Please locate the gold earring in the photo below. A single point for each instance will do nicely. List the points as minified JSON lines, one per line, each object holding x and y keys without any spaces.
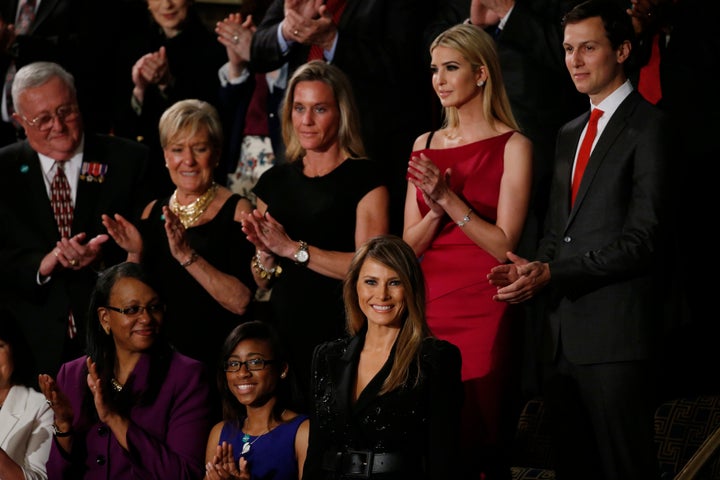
{"x":283,"y":375}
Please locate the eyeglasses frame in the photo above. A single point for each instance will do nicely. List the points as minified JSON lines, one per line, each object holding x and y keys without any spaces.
{"x":74,"y":109}
{"x":265,"y":363}
{"x":143,"y":308}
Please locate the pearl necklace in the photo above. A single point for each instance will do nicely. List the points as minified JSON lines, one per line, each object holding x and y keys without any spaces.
{"x":189,"y":214}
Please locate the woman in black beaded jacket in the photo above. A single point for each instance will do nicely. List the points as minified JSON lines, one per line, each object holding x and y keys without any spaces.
{"x":386,"y":400}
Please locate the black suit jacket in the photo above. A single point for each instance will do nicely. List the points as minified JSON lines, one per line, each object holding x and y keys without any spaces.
{"x":43,"y":309}
{"x":605,"y":298}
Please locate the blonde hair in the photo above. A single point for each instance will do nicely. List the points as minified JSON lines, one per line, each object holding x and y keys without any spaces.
{"x":478,"y":48}
{"x":398,"y":256}
{"x":349,"y":136}
{"x":190,"y":116}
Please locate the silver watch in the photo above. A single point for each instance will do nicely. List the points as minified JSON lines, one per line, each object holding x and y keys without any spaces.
{"x":302,"y":255}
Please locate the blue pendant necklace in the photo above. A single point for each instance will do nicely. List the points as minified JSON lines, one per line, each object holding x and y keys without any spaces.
{"x":246,"y":438}
{"x":247,"y":443}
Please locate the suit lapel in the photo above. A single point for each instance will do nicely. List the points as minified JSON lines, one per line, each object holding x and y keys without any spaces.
{"x":32,"y":187}
{"x":604,"y":144}
{"x":43,"y":11}
{"x":566,"y":156}
{"x":344,"y":373}
{"x":11,"y":411}
{"x":88,"y":193}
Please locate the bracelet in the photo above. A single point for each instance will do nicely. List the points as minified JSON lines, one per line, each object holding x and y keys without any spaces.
{"x":58,"y":433}
{"x":262,"y":271}
{"x":465,"y":219}
{"x":193,"y":257}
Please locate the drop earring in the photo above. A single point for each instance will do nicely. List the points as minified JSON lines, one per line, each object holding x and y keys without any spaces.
{"x":481,"y":83}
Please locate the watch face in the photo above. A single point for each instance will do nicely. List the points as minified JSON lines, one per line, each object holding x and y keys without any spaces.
{"x":302,"y":256}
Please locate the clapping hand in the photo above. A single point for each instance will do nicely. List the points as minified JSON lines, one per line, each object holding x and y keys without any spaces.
{"x":96,"y":388}
{"x":176,"y":235}
{"x":58,"y":401}
{"x":151,"y":69}
{"x":223,"y":465}
{"x":72,"y":253}
{"x":427,"y":178}
{"x":125,"y":234}
{"x":267,"y":234}
{"x":236,"y":35}
{"x":520,"y":280}
{"x":482,"y":15}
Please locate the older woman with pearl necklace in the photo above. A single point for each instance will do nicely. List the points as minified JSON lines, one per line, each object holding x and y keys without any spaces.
{"x":193,"y":239}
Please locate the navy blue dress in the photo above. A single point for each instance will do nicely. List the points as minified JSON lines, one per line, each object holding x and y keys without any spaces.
{"x":272,"y":455}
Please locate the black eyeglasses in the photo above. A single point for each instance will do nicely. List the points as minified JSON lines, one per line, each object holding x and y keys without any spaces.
{"x":44,"y":121}
{"x":136,"y":310}
{"x":251,"y":364}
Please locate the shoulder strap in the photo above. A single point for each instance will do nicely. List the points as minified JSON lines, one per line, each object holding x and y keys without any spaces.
{"x":429,"y":139}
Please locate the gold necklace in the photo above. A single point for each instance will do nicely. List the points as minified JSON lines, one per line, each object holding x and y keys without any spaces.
{"x":117,"y":386}
{"x":189,"y":214}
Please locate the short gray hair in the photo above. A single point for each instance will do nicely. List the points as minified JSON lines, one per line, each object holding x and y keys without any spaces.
{"x":38,"y":73}
{"x":191,"y":114}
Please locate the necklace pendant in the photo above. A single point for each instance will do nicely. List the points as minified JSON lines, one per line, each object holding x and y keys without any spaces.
{"x":245,"y":448}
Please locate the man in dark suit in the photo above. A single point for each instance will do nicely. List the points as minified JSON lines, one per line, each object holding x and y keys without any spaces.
{"x":52,"y":275}
{"x":378,"y":45}
{"x":598,"y":261}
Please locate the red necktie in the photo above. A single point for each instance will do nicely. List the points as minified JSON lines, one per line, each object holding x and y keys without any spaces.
{"x":61,"y":200}
{"x":256,"y":118}
{"x":584,"y":153}
{"x":649,"y":81}
{"x":26,"y":15}
{"x":335,"y":7}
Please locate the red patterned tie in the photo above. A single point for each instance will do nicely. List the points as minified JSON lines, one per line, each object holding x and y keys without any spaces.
{"x":61,"y":200}
{"x":336,"y":8}
{"x":26,"y":15}
{"x":584,"y":153}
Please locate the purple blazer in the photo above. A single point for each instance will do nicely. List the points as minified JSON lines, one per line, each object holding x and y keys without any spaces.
{"x":166,"y":439}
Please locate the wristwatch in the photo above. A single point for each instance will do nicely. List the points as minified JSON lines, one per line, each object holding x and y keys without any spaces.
{"x":302,"y":255}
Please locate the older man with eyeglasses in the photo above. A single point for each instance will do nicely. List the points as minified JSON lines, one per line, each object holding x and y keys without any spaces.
{"x":55,"y":185}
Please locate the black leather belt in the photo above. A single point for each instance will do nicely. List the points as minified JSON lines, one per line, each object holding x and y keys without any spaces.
{"x":363,"y":463}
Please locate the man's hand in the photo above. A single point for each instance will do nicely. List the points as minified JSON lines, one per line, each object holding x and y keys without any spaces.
{"x":520,"y":280}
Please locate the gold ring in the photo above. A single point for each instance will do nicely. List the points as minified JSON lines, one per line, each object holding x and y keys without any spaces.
{"x":73,"y":262}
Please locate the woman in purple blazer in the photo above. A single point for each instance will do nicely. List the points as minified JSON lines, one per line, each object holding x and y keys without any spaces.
{"x":133,"y":408}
